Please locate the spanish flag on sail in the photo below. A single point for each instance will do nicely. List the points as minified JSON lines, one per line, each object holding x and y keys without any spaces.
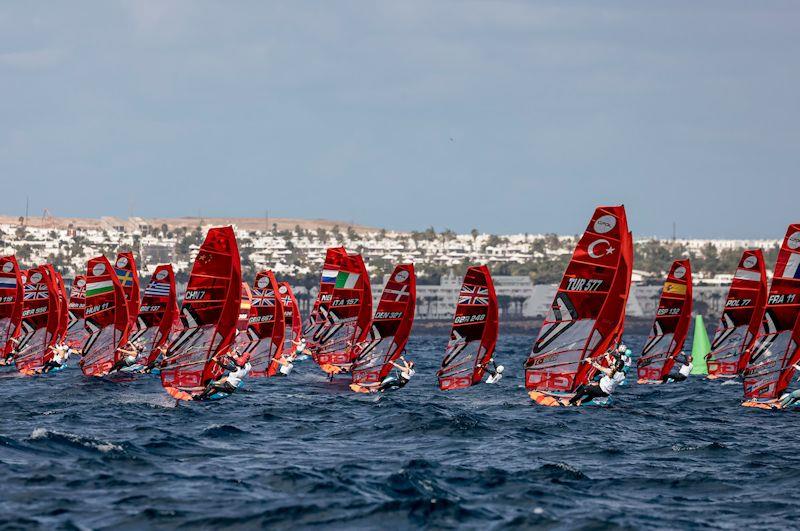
{"x":673,"y":288}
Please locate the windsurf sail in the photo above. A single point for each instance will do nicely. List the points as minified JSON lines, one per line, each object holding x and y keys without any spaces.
{"x":775,"y":349}
{"x":63,"y":312}
{"x":39,"y":322}
{"x":391,"y":326}
{"x":671,"y":325}
{"x":291,"y":316}
{"x":209,"y":314}
{"x":474,"y":332}
{"x":11,"y":293}
{"x":265,"y":326}
{"x":157,"y":314}
{"x":128,"y":276}
{"x":344,"y":312}
{"x":741,"y":317}
{"x":587,"y":315}
{"x":106,"y":318}
{"x":76,"y":330}
{"x":317,"y":319}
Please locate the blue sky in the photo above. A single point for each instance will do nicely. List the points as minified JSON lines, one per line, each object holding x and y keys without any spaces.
{"x":504,"y":116}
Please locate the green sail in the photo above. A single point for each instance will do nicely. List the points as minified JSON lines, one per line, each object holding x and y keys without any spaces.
{"x":701,"y":346}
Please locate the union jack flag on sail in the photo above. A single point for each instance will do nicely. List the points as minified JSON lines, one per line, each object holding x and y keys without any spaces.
{"x":35,"y":291}
{"x":263,"y":297}
{"x":477,"y":295}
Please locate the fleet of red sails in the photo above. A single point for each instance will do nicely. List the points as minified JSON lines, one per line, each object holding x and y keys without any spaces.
{"x":473,"y":335}
{"x":741,"y":317}
{"x":776,"y":348}
{"x":587,"y":315}
{"x":103,"y":317}
{"x":671,"y":325}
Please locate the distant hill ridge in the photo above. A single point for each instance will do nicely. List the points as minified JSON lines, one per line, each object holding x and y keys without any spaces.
{"x":188,"y":221}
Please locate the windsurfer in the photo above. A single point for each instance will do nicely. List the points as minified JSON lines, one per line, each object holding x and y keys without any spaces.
{"x":684,"y":369}
{"x":129,"y":355}
{"x":301,"y":351}
{"x":285,"y":363}
{"x":403,"y":372}
{"x":790,"y":399}
{"x":613,"y":376}
{"x":495,"y":371}
{"x":237,"y":367}
{"x":60,"y":355}
{"x":626,"y":355}
{"x":157,"y":359}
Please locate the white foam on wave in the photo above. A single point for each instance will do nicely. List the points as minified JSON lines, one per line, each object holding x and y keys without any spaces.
{"x":88,"y":442}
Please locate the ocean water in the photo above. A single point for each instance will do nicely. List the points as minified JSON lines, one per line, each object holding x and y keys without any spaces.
{"x":300,"y":452}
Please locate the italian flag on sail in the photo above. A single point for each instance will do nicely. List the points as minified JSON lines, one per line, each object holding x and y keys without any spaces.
{"x":99,"y":287}
{"x":345,"y":280}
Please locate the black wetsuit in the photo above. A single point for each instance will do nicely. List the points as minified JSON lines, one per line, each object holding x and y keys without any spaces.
{"x":396,"y":382}
{"x":225,"y":386}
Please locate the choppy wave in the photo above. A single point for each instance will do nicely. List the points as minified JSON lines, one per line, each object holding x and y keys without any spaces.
{"x":299,"y":452}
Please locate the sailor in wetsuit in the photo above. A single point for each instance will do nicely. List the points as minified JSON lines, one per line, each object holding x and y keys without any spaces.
{"x":612,"y":377}
{"x":625,"y":354}
{"x":790,"y":399}
{"x":403,"y":372}
{"x":129,"y":355}
{"x":286,"y":365}
{"x":683,"y":362}
{"x":60,"y":355}
{"x":157,"y":359}
{"x":237,"y":369}
{"x":495,"y":371}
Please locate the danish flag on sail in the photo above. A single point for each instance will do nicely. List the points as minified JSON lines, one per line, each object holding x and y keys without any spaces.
{"x":588,"y":312}
{"x":266,"y":326}
{"x":741,"y":317}
{"x":128,"y":276}
{"x":76,"y":331}
{"x":671,"y":325}
{"x":291,"y":316}
{"x":344,"y":314}
{"x":157,"y":315}
{"x":474,"y":332}
{"x":209,"y":314}
{"x":11,"y":285}
{"x":105,"y":317}
{"x":39,"y":321}
{"x":390,"y":328}
{"x":769,"y":368}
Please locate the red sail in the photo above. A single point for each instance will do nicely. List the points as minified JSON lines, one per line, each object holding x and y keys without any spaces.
{"x":588,"y":312}
{"x":39,"y":321}
{"x":209,"y":314}
{"x":673,"y":316}
{"x":128,"y":277}
{"x":265,"y":326}
{"x":344,"y":314}
{"x":63,"y":312}
{"x":775,"y":349}
{"x":106,"y":318}
{"x":76,"y":331}
{"x":291,"y":316}
{"x":474,"y":332}
{"x":11,"y":286}
{"x":317,"y":319}
{"x":741,"y":318}
{"x":157,"y":314}
{"x":390,"y":328}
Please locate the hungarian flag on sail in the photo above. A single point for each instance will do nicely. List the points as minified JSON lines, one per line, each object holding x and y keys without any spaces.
{"x":105,"y":317}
